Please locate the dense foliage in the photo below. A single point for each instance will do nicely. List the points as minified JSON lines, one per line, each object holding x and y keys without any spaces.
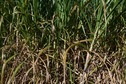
{"x":63,"y":41}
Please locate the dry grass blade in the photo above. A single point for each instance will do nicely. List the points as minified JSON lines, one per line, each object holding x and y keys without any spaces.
{"x":26,"y":74}
{"x":65,"y":55}
{"x":34,"y":65}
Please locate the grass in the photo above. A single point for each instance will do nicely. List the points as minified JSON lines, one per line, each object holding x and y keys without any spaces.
{"x":65,"y":41}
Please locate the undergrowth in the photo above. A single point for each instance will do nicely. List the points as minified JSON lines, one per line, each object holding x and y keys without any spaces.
{"x":62,"y":42}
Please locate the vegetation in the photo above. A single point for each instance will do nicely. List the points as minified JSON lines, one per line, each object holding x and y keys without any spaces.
{"x":62,"y":41}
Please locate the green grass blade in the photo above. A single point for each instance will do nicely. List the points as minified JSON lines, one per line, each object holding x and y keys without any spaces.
{"x":14,"y":73}
{"x":3,"y":67}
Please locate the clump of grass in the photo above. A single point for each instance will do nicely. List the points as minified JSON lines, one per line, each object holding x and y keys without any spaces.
{"x":65,"y":41}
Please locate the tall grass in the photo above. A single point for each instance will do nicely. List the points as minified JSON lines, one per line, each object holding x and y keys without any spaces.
{"x":62,"y":41}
